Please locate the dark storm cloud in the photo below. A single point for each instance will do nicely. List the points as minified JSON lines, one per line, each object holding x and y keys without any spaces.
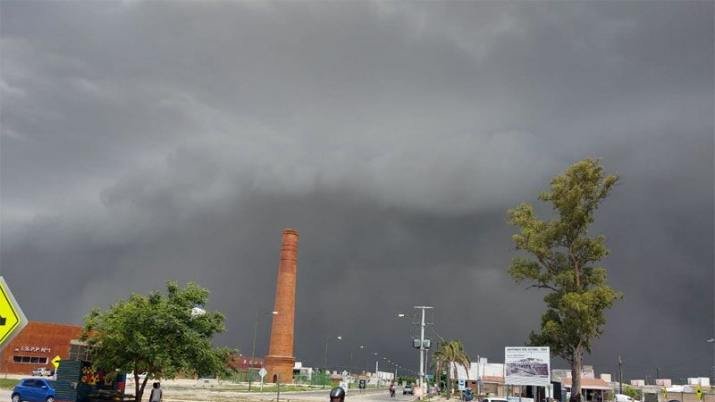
{"x":151,"y":141}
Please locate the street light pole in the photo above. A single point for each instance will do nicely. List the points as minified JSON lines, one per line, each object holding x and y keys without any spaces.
{"x":712,"y":369}
{"x":422,"y":346}
{"x":255,"y":330}
{"x":253,"y":346}
{"x":325,"y":358}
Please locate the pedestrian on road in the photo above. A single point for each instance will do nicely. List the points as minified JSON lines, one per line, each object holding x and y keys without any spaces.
{"x":156,"y":394}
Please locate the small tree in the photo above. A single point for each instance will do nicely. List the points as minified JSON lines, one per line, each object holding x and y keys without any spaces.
{"x":159,"y":334}
{"x":634,"y":393}
{"x":450,"y":354}
{"x":564,"y":263}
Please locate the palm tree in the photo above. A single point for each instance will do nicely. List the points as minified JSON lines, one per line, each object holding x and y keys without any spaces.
{"x":450,"y":354}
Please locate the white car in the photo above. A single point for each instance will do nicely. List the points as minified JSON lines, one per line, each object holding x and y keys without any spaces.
{"x":494,"y":400}
{"x":42,"y":372}
{"x":625,"y":398}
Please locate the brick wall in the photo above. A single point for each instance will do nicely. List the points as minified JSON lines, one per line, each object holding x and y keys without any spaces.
{"x":37,"y":345}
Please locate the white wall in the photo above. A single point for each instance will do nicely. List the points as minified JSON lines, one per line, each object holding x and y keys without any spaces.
{"x":477,"y":370}
{"x":702,"y":381}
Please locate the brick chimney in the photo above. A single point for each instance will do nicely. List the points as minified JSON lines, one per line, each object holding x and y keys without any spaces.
{"x":280,"y":359}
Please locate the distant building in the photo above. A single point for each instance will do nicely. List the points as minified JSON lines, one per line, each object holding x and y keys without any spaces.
{"x":592,"y":389}
{"x":663,"y":382}
{"x":38,"y":343}
{"x":702,"y":381}
{"x":301,"y":372}
{"x":241,"y":362}
{"x":638,"y":383}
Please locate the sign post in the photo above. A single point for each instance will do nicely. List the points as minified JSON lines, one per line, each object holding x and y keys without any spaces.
{"x":12,"y":319}
{"x":262,"y":372}
{"x":527,"y":365}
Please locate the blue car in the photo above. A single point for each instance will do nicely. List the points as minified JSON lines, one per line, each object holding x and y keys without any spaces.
{"x":34,"y":390}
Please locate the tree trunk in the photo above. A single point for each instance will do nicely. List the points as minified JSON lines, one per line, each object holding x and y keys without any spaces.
{"x":449,"y":381}
{"x":137,"y":395}
{"x":576,"y":364}
{"x":139,"y":388}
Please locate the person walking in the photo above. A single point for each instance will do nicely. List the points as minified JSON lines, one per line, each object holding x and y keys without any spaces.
{"x":156,"y":394}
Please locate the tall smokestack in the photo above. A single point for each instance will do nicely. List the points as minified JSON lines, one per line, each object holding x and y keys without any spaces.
{"x":280,"y":359}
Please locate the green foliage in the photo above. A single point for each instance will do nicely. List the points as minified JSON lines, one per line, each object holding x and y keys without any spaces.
{"x":157,"y":334}
{"x":634,"y":393}
{"x":450,"y":354}
{"x":564,"y":260}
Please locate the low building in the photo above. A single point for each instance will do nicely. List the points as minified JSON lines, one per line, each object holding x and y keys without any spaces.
{"x":301,"y":372}
{"x":40,"y":342}
{"x":482,"y":377}
{"x":592,"y":389}
{"x":702,"y":381}
{"x":242,"y":363}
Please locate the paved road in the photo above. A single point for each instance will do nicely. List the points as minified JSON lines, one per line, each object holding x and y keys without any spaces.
{"x":352,"y":396}
{"x":381,"y":396}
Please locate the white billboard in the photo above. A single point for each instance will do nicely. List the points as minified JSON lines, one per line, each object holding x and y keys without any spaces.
{"x":527,"y":365}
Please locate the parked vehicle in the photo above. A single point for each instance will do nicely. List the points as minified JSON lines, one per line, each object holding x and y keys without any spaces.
{"x":625,"y":398}
{"x":467,"y":395}
{"x":408,"y":390}
{"x":494,"y":400}
{"x":34,"y":390}
{"x":42,"y":372}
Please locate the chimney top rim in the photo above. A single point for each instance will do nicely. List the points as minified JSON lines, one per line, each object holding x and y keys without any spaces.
{"x":290,"y":231}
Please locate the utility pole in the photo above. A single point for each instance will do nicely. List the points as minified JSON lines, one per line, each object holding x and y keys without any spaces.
{"x":377,"y":372}
{"x":712,"y":341}
{"x":620,"y":375}
{"x":422,"y":346}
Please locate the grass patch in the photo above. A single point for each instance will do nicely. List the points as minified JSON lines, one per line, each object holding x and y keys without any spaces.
{"x":8,"y":383}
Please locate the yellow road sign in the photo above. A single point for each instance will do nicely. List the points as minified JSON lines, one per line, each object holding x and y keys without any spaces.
{"x":56,"y":361}
{"x":12,"y":320}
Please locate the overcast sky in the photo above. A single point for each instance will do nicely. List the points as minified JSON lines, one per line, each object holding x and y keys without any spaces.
{"x":143,"y":142}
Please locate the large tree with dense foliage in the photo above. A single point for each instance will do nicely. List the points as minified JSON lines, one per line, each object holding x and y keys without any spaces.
{"x":157,"y":334}
{"x":449,"y":355}
{"x":564,"y":261}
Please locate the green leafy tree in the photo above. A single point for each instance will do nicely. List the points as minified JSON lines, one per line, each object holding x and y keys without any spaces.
{"x":634,"y":393}
{"x":158,"y":334}
{"x":565,"y":262}
{"x":449,"y":355}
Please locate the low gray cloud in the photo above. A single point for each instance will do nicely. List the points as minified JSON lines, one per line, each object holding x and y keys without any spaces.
{"x":150,"y":141}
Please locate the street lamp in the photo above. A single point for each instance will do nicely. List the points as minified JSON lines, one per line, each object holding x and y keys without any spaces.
{"x":197,"y":312}
{"x":255,"y":330}
{"x":325,"y":358}
{"x":253,"y":345}
{"x":712,"y":369}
